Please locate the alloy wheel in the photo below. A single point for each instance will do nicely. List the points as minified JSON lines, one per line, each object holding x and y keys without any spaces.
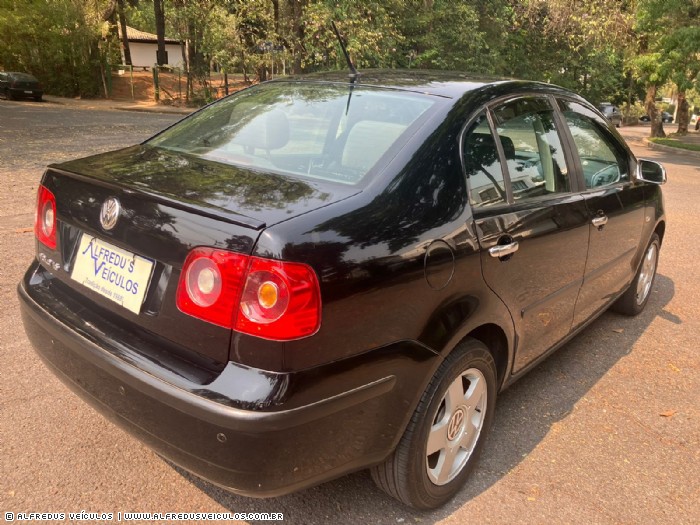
{"x":646,"y":273}
{"x":456,"y":426}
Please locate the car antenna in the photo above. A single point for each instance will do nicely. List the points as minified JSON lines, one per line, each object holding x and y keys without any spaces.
{"x":354,"y":74}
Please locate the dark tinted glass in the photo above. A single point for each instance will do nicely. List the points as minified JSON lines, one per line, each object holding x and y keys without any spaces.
{"x":483,"y":166}
{"x":23,"y":77}
{"x":314,"y":130}
{"x":534,"y":153}
{"x":602,"y":160}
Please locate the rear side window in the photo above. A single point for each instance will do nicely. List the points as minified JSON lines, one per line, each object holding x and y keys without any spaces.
{"x":483,"y":165}
{"x":534,"y":152}
{"x":321,"y":131}
{"x":602,"y":161}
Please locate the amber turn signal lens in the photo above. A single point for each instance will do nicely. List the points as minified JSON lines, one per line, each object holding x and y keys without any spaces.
{"x":267,"y":294}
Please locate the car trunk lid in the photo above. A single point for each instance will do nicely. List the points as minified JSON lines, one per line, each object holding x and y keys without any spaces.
{"x":169,"y":204}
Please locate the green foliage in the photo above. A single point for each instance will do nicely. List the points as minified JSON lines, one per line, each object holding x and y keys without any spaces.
{"x":141,"y":15}
{"x":55,"y":40}
{"x":579,"y":45}
{"x":681,"y":56}
{"x":445,"y":34}
{"x":607,"y":50}
{"x":369,"y":29}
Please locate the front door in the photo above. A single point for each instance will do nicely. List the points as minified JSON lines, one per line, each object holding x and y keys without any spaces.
{"x":615,"y":205}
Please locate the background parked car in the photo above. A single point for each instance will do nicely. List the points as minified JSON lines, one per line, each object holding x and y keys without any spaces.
{"x":612,"y":113}
{"x":15,"y":85}
{"x":666,"y":118}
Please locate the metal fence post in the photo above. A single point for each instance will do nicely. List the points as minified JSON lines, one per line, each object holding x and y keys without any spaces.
{"x":156,"y":89}
{"x":131,"y":73}
{"x":108,"y":74}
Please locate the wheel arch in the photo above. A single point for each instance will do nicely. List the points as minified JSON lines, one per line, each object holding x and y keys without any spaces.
{"x":495,"y":339}
{"x":660,"y":230}
{"x":487,"y":320}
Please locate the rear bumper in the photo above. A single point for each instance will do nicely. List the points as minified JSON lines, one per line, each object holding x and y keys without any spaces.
{"x":26,"y":93}
{"x":295,"y":442}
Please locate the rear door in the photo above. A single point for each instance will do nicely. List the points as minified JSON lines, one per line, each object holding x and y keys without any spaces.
{"x":531,"y":221}
{"x":615,"y":204}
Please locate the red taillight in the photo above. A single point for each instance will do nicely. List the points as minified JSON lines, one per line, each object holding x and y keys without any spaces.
{"x":281,"y":301}
{"x":270,"y":299}
{"x":210,"y":285}
{"x":45,"y":219}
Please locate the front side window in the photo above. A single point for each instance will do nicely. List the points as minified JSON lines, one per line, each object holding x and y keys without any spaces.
{"x":321,"y":131}
{"x":535,"y":155}
{"x":601,"y":160}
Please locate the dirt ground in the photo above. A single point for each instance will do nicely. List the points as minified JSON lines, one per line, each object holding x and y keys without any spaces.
{"x":173,"y":86}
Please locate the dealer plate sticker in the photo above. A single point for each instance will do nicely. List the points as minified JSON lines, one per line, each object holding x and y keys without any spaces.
{"x":117,"y":274}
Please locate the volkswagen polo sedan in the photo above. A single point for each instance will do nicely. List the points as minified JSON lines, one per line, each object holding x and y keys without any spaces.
{"x":319,"y":275}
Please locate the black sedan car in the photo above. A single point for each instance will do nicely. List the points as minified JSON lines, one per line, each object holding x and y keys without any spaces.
{"x":666,"y":118}
{"x":20,"y":85}
{"x":319,"y":275}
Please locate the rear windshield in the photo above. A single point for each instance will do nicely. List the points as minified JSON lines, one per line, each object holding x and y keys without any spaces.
{"x":322,"y":131}
{"x":23,"y":77}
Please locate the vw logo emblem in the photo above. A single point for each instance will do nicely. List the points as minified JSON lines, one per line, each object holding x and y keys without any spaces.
{"x":109,"y":214}
{"x":455,"y":424}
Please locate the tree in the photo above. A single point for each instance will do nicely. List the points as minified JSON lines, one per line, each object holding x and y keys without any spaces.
{"x":159,"y":12}
{"x":58,"y":41}
{"x":368,"y":28}
{"x":681,"y":57}
{"x":669,"y":43}
{"x":579,"y":45}
{"x":122,"y":24}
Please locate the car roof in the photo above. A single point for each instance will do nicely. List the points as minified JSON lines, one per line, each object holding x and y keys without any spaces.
{"x":450,"y":84}
{"x":20,"y":73}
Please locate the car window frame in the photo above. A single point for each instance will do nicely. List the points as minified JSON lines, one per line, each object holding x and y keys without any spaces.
{"x":501,"y":155}
{"x":607,"y":129}
{"x":577,"y":184}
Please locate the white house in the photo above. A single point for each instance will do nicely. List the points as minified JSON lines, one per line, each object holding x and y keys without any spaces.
{"x":143,"y":47}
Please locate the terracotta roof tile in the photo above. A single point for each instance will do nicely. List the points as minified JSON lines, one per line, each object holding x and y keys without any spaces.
{"x":134,"y":35}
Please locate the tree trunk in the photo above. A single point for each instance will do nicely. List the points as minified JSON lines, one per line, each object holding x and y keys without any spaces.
{"x":122,"y":24}
{"x":297,"y":12}
{"x":682,"y":113}
{"x":657,"y":126}
{"x":183,"y":47}
{"x":276,"y":15}
{"x":159,"y":12}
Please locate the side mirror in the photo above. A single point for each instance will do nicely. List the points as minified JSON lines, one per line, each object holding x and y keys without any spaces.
{"x":651,"y":171}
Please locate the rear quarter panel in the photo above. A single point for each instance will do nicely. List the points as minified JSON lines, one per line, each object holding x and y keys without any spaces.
{"x":369,"y":253}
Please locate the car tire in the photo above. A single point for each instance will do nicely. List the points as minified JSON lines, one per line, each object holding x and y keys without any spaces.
{"x":636,"y":297}
{"x":38,"y":99}
{"x":426,"y":481}
{"x":9,"y":95}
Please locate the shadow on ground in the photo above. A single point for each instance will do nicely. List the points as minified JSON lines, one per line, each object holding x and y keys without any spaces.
{"x":524,"y":416}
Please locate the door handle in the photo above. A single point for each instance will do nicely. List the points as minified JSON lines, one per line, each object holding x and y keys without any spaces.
{"x":599,"y":221}
{"x":503,"y":250}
